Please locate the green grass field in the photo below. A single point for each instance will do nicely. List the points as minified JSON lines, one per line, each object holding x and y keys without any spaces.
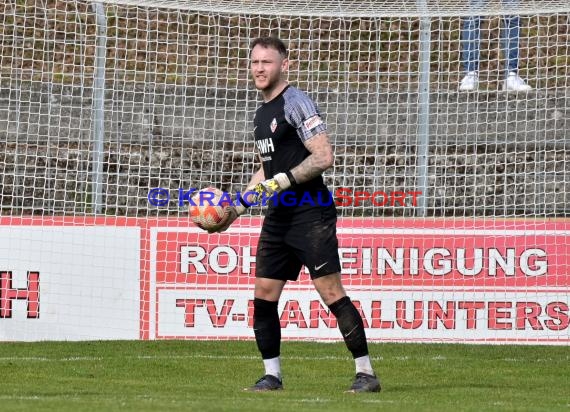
{"x":210,"y":376}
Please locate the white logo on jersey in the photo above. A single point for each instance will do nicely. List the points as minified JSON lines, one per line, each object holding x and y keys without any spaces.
{"x":273,"y":125}
{"x":265,"y":146}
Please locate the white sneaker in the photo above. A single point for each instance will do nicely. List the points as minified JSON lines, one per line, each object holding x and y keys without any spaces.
{"x":470,"y":82}
{"x":514,"y":83}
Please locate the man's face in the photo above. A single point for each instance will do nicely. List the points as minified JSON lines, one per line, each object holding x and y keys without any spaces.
{"x":266,"y":67}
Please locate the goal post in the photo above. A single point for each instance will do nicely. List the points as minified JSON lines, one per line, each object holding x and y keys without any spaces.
{"x":453,"y":205}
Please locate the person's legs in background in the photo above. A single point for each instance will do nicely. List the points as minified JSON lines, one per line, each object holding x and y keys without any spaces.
{"x":510,"y":35}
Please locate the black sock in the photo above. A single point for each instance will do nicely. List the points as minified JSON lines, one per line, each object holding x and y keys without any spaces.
{"x":351,"y":326}
{"x":267,"y":328}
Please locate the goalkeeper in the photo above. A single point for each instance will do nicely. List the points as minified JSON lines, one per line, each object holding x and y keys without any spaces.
{"x":294,"y":151}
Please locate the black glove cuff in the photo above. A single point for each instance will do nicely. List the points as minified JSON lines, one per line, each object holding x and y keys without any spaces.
{"x":291,"y":178}
{"x":243,"y":202}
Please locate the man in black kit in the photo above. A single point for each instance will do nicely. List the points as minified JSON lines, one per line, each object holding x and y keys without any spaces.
{"x":294,"y":150}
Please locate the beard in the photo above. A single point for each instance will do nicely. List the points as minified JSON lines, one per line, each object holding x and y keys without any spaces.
{"x":268,"y":84}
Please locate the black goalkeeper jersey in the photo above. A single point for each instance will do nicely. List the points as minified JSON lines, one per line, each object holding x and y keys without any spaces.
{"x":280,"y":128}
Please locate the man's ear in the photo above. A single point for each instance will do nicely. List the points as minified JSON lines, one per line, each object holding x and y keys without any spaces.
{"x":285,"y":65}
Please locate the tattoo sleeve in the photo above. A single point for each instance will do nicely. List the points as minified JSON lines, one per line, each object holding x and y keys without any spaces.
{"x":320,"y":159}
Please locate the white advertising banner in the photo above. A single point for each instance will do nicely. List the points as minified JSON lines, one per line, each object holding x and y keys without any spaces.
{"x":69,"y":283}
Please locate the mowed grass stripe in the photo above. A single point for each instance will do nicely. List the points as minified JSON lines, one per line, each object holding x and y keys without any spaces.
{"x":210,"y":376}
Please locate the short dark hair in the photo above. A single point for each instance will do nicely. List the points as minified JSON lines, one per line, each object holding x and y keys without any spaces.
{"x":270,"y":42}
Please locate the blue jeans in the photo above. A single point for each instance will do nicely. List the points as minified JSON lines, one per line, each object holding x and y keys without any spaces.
{"x":471,"y":39}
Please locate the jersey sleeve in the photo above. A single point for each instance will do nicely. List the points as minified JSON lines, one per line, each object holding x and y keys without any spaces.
{"x":302,"y":113}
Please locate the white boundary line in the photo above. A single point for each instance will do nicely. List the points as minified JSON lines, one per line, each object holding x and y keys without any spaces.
{"x":254,"y":357}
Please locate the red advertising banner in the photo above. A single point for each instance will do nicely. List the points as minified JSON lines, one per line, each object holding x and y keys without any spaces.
{"x":412,"y":280}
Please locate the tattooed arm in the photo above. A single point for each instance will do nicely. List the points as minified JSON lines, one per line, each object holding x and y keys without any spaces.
{"x":320,"y":159}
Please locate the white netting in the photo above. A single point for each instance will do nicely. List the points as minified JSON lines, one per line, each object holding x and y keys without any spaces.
{"x":356,"y":8}
{"x":170,"y":93}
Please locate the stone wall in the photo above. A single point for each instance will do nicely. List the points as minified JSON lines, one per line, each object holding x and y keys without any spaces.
{"x":490,"y":153}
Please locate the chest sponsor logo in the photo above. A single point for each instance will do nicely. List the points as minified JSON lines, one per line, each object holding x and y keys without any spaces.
{"x":265,"y":146}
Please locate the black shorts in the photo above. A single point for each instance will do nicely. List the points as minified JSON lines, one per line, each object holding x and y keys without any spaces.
{"x":284,"y":247}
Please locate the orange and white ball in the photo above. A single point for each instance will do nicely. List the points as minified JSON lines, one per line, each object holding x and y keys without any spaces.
{"x":209,"y":209}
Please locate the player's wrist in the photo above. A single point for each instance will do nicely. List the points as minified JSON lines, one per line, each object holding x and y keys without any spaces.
{"x":244,"y":200}
{"x":240,"y":209}
{"x":285,"y":180}
{"x":242,"y":203}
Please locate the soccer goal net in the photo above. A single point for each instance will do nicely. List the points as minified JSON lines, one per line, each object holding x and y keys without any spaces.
{"x":451,"y":131}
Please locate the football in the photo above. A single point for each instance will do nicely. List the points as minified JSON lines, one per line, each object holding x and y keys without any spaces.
{"x":208,"y":210}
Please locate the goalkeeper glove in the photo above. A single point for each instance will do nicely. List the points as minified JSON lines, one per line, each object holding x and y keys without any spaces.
{"x":278,"y":183}
{"x":265,"y":189}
